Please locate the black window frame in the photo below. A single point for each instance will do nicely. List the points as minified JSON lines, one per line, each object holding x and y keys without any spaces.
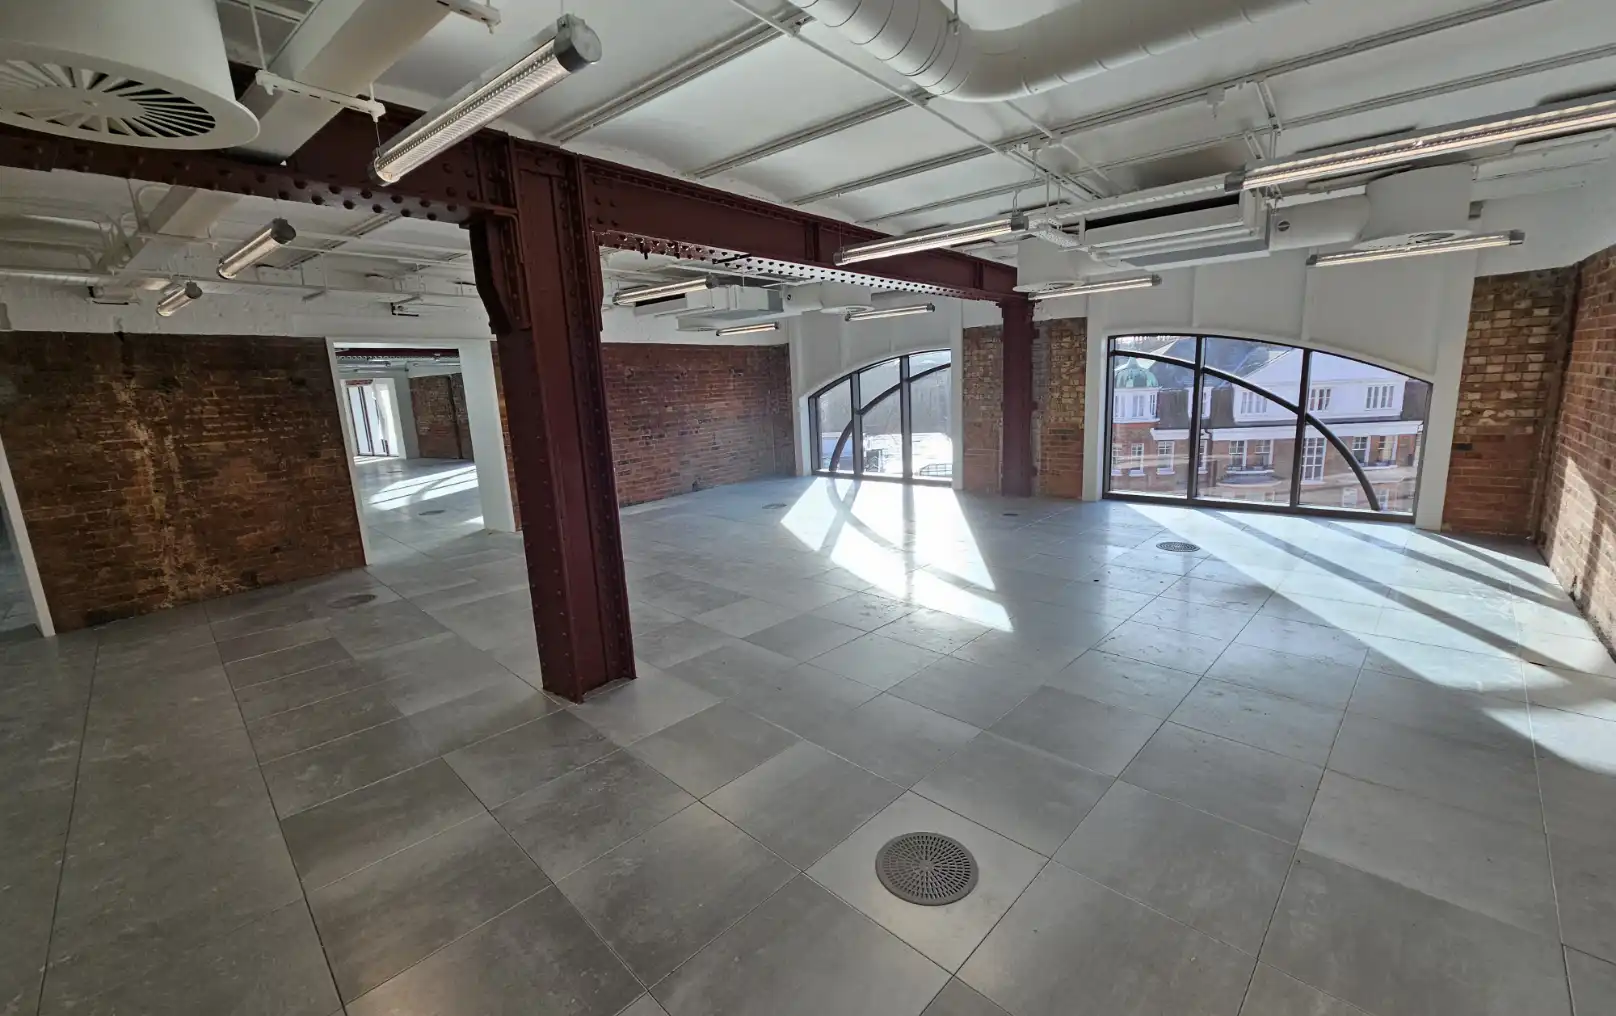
{"x":854,"y":431}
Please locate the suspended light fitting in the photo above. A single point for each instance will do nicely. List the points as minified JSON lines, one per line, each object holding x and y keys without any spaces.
{"x":181,"y":294}
{"x":1102,"y":286}
{"x":630,"y":297}
{"x":931,"y":239}
{"x":890,"y":312}
{"x":766,"y":326}
{"x":565,"y":48}
{"x":1523,"y":125}
{"x":1413,"y":250}
{"x":255,"y":248}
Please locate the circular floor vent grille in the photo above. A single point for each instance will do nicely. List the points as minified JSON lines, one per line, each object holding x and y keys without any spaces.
{"x":1178,"y":547}
{"x":431,"y":511}
{"x":69,"y":100}
{"x":926,"y":868}
{"x":773,"y":505}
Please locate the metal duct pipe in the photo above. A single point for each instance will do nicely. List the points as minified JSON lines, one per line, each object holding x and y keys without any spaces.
{"x":918,"y":39}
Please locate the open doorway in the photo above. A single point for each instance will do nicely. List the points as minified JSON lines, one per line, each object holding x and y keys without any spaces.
{"x":23,"y":613}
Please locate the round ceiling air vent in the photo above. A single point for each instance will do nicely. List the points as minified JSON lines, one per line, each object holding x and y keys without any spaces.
{"x":65,"y":69}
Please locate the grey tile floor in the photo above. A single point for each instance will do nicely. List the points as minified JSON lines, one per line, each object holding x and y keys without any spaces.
{"x":1316,"y":767}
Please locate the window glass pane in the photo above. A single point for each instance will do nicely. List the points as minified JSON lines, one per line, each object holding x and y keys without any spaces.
{"x":1247,"y":439}
{"x":1380,"y":415}
{"x":1327,"y":477}
{"x":883,"y":437}
{"x":1275,"y":369}
{"x":1150,"y":426}
{"x":931,"y":404}
{"x":875,"y":380}
{"x":919,"y":362}
{"x":835,"y":412}
{"x":1180,"y":347}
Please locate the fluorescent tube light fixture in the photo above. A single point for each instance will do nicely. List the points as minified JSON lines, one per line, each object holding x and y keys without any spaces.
{"x":255,"y":248}
{"x":890,"y":312}
{"x":177,"y":296}
{"x":630,"y":297}
{"x":931,"y":239}
{"x":766,"y":326}
{"x":1102,"y":286}
{"x":1524,"y":125}
{"x":1413,"y":250}
{"x":564,"y":48}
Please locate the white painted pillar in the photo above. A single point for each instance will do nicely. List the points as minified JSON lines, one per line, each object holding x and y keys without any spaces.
{"x":487,"y":435}
{"x":348,"y":444}
{"x":23,"y":547}
{"x":1453,"y":327}
{"x":404,"y":407}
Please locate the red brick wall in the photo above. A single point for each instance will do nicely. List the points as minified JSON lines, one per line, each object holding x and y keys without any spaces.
{"x":688,"y":417}
{"x":157,"y":470}
{"x":1060,"y":369}
{"x":1519,"y":325}
{"x":1578,"y":532}
{"x":442,"y":429}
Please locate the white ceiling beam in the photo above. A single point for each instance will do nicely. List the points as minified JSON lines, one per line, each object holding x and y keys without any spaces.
{"x":1111,"y":118}
{"x":825,"y":129}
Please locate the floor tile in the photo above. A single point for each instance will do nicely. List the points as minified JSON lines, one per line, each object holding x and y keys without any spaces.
{"x":803,"y":801}
{"x":303,"y":689}
{"x":1164,"y":647}
{"x":1585,"y":877}
{"x":1363,"y":618}
{"x":945,"y":934}
{"x":1578,"y":802}
{"x":1457,"y":715}
{"x":1572,"y":691}
{"x":378,"y":626}
{"x":1030,"y":796}
{"x":286,"y":662}
{"x":1570,"y":737}
{"x":732,"y":669}
{"x":802,"y":953}
{"x":570,"y":821}
{"x":1198,"y":618}
{"x":306,"y":778}
{"x":1593,"y":984}
{"x":1217,"y":593}
{"x":804,"y":637}
{"x":1314,"y":641}
{"x":937,"y":630}
{"x":713,"y":747}
{"x":1268,"y":792}
{"x":1441,"y":667}
{"x":640,"y":708}
{"x":500,"y":705}
{"x":659,"y":898}
{"x":805,"y":699}
{"x":503,"y":766}
{"x":1096,"y":736}
{"x":959,"y":999}
{"x":864,"y":611}
{"x":1501,"y":784}
{"x":875,"y":660}
{"x":1297,"y":677}
{"x":894,"y":739}
{"x":385,"y":918}
{"x":745,"y":617}
{"x":539,"y":957}
{"x":343,"y":835}
{"x":1568,"y":653}
{"x":1215,"y":876}
{"x":1071,"y":947}
{"x":327,"y":720}
{"x":1284,"y":725}
{"x":675,"y":643}
{"x":1120,"y":681}
{"x":1273,"y":993}
{"x":683,"y":596}
{"x":967,"y":691}
{"x":1394,"y":951}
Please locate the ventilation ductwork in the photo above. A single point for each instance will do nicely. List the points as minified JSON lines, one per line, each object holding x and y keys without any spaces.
{"x":919,"y":39}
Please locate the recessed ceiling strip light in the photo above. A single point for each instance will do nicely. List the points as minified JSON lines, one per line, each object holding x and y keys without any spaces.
{"x":890,"y":312}
{"x":255,"y":248}
{"x":931,"y":239}
{"x":1103,"y":286}
{"x":177,"y":296}
{"x":1524,"y":125}
{"x":629,"y":297}
{"x":766,"y":326}
{"x":563,"y":49}
{"x":1413,"y":250}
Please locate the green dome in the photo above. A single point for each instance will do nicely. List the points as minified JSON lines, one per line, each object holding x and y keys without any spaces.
{"x":1136,"y":375}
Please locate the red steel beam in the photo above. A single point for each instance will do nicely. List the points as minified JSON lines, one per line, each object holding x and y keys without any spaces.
{"x":1016,"y":469}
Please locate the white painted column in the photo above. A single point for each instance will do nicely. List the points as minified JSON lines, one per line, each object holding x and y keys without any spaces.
{"x":348,"y":444}
{"x":1096,"y":380}
{"x":404,"y":406}
{"x":487,"y":435}
{"x":1453,"y":327}
{"x":23,"y":547}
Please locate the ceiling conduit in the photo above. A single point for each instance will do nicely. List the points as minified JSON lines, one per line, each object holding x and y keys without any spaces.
{"x":918,"y":39}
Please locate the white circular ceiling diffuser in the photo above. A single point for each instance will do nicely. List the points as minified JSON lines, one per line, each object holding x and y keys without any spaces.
{"x":149,"y":73}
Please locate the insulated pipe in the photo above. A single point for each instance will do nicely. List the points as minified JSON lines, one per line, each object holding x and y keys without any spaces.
{"x":918,"y":39}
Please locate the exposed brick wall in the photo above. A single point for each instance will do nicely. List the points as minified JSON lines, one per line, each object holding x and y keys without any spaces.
{"x":1060,"y":406}
{"x":442,"y":429}
{"x":1519,"y":325}
{"x":1060,"y":369}
{"x":1578,"y":531}
{"x":689,"y":417}
{"x":155,"y":470}
{"x":981,"y":395}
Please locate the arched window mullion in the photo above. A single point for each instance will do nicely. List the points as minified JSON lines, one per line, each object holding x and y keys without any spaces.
{"x":1175,"y":361}
{"x":877,"y":400}
{"x":841,"y":443}
{"x":1235,"y":379}
{"x":1346,"y":453}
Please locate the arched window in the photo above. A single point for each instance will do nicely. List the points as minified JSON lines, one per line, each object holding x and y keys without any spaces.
{"x":891,"y":420}
{"x":1214,"y":420}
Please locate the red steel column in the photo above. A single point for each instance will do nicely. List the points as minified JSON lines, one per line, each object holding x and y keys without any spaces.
{"x":537,"y":274}
{"x":1015,"y":458}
